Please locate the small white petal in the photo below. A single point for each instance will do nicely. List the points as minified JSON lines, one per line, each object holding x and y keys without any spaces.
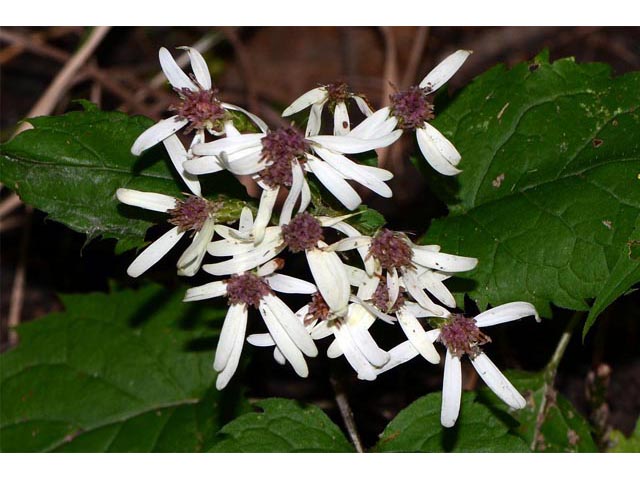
{"x":356,"y":276}
{"x":417,"y":336}
{"x":331,"y":278}
{"x":279,"y":357}
{"x":368,"y":287}
{"x":321,"y":330}
{"x":265,"y":209}
{"x":379,"y":173}
{"x":349,"y":243}
{"x":230,"y":130}
{"x":287,"y":284}
{"x":203,"y":165}
{"x":285,"y":344}
{"x":177,"y":78}
{"x":269,"y":268}
{"x":506,"y":313}
{"x":203,"y":292}
{"x":444,"y":261}
{"x":154,"y":252}
{"x":294,"y":193}
{"x":352,"y":144}
{"x":246,"y":221}
{"x":374,"y":126}
{"x":234,"y":358}
{"x":451,"y":390}
{"x":260,"y":254}
{"x":398,"y":355}
{"x":363,"y":105}
{"x":314,"y":122}
{"x":341,"y":125}
{"x":157,"y":133}
{"x":315,"y":95}
{"x":445,"y":70}
{"x":393,"y":286}
{"x":358,"y":323}
{"x":157,"y":202}
{"x":437,"y":150}
{"x":412,"y":284}
{"x":199,"y":67}
{"x":305,"y":197}
{"x":353,"y":355}
{"x":178,"y":156}
{"x":233,"y":324}
{"x":497,"y":382}
{"x":337,"y":185}
{"x":254,"y":118}
{"x":291,"y":324}
{"x":434,"y":285}
{"x":229,"y":144}
{"x":261,"y":340}
{"x":350,"y":231}
{"x":334,"y":350}
{"x":190,"y":261}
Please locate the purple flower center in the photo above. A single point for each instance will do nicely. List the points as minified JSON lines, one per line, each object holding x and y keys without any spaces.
{"x":191,"y":213}
{"x":337,"y":92}
{"x":302,"y":233}
{"x":318,"y":309}
{"x":461,"y":335}
{"x":411,"y":107}
{"x":391,"y":249}
{"x":201,"y":108}
{"x":380,"y":298}
{"x":279,"y":149}
{"x":247,"y":288}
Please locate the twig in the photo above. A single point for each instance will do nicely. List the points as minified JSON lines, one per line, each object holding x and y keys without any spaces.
{"x":550,"y":372}
{"x":419,"y":44}
{"x":52,"y":95}
{"x":347,"y":414}
{"x":17,"y":290}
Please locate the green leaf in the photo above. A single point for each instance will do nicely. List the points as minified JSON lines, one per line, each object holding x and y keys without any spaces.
{"x":556,"y":424}
{"x":417,"y":429}
{"x":71,"y":165}
{"x":625,"y":273}
{"x":549,"y":192}
{"x":283,"y":426}
{"x":621,"y":444}
{"x":125,"y":371}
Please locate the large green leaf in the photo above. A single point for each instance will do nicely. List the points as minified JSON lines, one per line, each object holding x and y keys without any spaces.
{"x":550,"y":191}
{"x":555,"y":423}
{"x":621,"y":444}
{"x":71,"y":165}
{"x":417,"y":429}
{"x":282,"y":426}
{"x":126,"y":371}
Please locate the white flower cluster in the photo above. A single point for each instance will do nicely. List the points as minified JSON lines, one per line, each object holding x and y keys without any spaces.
{"x":391,"y":279}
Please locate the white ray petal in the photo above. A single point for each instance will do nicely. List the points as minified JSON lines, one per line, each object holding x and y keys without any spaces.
{"x":314,"y":122}
{"x":230,"y":145}
{"x":429,"y":248}
{"x":393,"y":287}
{"x":321,"y":330}
{"x":230,"y":130}
{"x":337,"y":185}
{"x":261,"y":340}
{"x":287,"y":284}
{"x":357,"y":276}
{"x":358,"y":323}
{"x":354,"y":356}
{"x":375,"y":312}
{"x":451,"y":390}
{"x":334,"y":350}
{"x":331,"y":279}
{"x":262,"y":253}
{"x":375,"y":125}
{"x":353,"y":144}
{"x":363,"y":105}
{"x":417,"y":336}
{"x":234,"y":358}
{"x":157,"y":133}
{"x":177,"y":78}
{"x":497,"y":382}
{"x":368,"y":287}
{"x":341,"y":125}
{"x":265,"y":209}
{"x":412,"y":284}
{"x":203,"y":165}
{"x":437,"y":150}
{"x":434,"y":285}
{"x":444,"y":70}
{"x":285,"y":344}
{"x":506,"y":313}
{"x":154,"y":252}
{"x":292,"y":325}
{"x":232,"y":245}
{"x":444,"y":261}
{"x":157,"y":202}
{"x":199,"y":67}
{"x":315,"y":95}
{"x":349,"y":243}
{"x":363,"y":251}
{"x":246,"y":221}
{"x":208,"y":290}
{"x":398,"y":355}
{"x":279,"y":357}
{"x":294,"y":193}
{"x":254,"y":118}
{"x":190,"y":261}
{"x":233,"y":324}
{"x":354,"y":172}
{"x":178,"y":156}
{"x":380,"y":173}
{"x":305,"y":196}
{"x":270,"y":267}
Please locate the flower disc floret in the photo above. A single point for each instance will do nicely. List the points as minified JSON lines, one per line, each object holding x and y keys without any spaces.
{"x":279,"y":149}
{"x":191,"y":213}
{"x":201,"y":108}
{"x":411,"y":107}
{"x":337,"y":92}
{"x":247,"y":289}
{"x":318,"y":309}
{"x":461,"y":335}
{"x":380,"y":298}
{"x":302,"y":233}
{"x":391,"y":249}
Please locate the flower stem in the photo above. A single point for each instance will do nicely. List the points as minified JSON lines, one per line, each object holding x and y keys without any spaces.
{"x":347,"y":414}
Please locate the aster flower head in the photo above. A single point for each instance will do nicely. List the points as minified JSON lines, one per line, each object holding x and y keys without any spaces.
{"x":412,"y":109}
{"x":198,"y":108}
{"x":194,"y":215}
{"x":335,"y":96}
{"x":256,"y":289}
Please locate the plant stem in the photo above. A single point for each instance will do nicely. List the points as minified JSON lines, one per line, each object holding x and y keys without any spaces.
{"x":347,"y":414}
